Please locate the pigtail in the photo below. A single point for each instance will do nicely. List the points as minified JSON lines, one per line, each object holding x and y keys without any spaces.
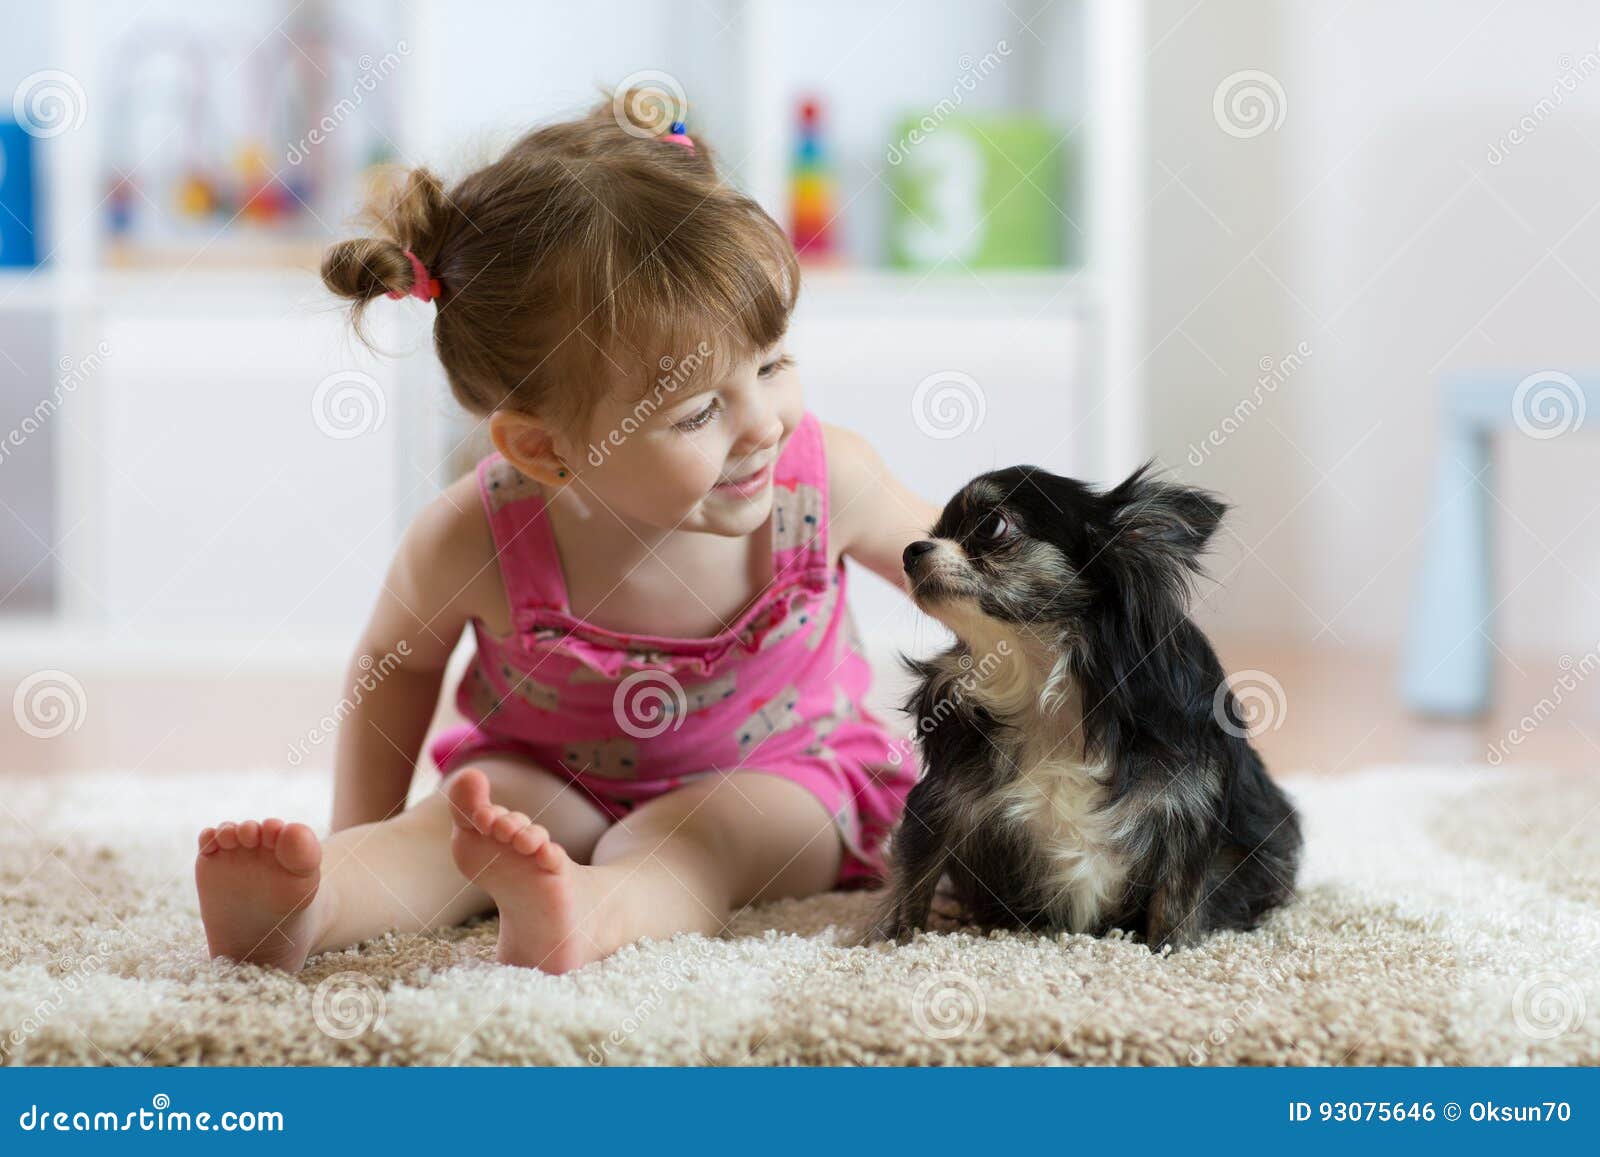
{"x":409,"y":214}
{"x":657,"y":112}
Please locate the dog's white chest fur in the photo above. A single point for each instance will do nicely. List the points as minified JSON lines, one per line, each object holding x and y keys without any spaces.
{"x":1060,"y":801}
{"x":1059,"y":798}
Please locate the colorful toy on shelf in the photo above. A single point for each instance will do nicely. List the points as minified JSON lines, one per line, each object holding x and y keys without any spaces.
{"x":239,"y":148}
{"x":812,"y":190}
{"x":119,"y":205}
{"x":986,"y":191}
{"x":17,"y":196}
{"x":261,"y":199}
{"x":197,"y":195}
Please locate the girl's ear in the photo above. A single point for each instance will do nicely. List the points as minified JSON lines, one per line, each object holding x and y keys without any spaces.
{"x":526,"y":443}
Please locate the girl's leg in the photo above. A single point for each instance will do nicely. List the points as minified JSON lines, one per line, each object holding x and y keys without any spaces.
{"x":680,"y":863}
{"x":271,"y":894}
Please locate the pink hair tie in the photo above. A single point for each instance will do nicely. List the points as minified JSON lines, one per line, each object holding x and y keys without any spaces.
{"x":423,"y":287}
{"x":678,"y":135}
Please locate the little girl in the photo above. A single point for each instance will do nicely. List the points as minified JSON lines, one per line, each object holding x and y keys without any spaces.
{"x":666,"y":716}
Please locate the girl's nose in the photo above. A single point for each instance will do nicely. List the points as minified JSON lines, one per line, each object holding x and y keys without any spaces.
{"x":765,"y":430}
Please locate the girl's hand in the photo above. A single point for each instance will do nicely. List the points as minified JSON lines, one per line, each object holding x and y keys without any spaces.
{"x":872,"y":517}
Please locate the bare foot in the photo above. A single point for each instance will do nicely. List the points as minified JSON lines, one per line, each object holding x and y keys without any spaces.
{"x":535,"y":884}
{"x":256,"y":883}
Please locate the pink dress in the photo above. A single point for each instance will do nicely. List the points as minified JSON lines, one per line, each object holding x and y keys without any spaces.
{"x":629,"y":717}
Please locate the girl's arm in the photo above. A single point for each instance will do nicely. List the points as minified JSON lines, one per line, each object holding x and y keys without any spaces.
{"x":872,"y":517}
{"x":443,"y":574}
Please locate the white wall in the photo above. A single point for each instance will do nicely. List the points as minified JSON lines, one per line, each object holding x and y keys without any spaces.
{"x":1372,"y":226}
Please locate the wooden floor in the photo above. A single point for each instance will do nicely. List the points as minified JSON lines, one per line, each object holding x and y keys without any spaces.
{"x":1342,"y":713}
{"x":1337,"y":713}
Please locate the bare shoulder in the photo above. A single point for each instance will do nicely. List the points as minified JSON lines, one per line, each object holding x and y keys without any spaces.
{"x":872,"y":515}
{"x":446,"y":560}
{"x":854,"y":466}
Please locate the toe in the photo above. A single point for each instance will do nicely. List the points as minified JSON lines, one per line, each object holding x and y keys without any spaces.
{"x":508,"y":825}
{"x":208,"y":841}
{"x":270,"y":831}
{"x":228,"y":836}
{"x":552,"y":857}
{"x":530,"y":839}
{"x":250,"y":834}
{"x":468,"y":792}
{"x":298,"y":850}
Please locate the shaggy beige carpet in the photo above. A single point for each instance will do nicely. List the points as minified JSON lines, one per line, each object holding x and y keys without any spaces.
{"x":1448,"y":917}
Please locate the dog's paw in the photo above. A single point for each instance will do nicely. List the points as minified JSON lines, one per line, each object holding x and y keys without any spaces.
{"x":886,"y":927}
{"x":860,"y":936}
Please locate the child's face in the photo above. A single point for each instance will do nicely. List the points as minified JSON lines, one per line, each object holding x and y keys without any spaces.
{"x":694,"y":454}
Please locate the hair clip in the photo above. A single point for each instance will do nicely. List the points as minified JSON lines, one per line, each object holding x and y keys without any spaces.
{"x":679,"y":135}
{"x":423,"y":287}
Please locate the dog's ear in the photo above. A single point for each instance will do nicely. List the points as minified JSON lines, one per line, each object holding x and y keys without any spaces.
{"x":1165,"y":516}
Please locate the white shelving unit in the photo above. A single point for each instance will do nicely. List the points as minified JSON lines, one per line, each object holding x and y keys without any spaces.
{"x":202,"y":518}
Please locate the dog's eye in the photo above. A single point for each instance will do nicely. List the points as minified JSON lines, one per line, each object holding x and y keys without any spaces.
{"x":995,"y":527}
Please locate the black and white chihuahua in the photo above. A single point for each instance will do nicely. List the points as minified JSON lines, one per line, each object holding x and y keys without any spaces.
{"x":1085,"y":767}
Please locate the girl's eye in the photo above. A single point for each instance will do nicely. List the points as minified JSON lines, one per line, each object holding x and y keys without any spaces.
{"x":695,"y":421}
{"x":993,"y":528}
{"x":775,"y":366}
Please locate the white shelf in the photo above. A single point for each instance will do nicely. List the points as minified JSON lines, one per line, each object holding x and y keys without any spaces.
{"x":1063,"y":342}
{"x":158,"y":290}
{"x":1023,"y":294}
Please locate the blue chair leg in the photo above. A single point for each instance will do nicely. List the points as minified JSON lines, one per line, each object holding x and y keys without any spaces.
{"x":1448,"y":662}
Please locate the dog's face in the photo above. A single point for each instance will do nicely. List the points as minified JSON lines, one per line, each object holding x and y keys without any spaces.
{"x":1024,"y":551}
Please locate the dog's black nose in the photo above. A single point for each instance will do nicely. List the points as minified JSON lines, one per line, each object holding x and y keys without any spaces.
{"x":915,"y":551}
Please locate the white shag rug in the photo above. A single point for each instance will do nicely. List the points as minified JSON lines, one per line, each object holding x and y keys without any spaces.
{"x":1447,"y":916}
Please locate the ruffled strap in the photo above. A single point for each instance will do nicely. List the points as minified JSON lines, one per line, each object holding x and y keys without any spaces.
{"x":525,"y":546}
{"x":800,"y":500}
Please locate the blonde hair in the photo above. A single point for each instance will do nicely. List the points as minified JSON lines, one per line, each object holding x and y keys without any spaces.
{"x":583,"y":257}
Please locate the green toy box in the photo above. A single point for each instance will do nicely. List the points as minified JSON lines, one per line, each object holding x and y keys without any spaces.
{"x":961,"y":197}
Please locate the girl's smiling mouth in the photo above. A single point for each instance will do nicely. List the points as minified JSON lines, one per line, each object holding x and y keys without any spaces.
{"x":746,"y":485}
